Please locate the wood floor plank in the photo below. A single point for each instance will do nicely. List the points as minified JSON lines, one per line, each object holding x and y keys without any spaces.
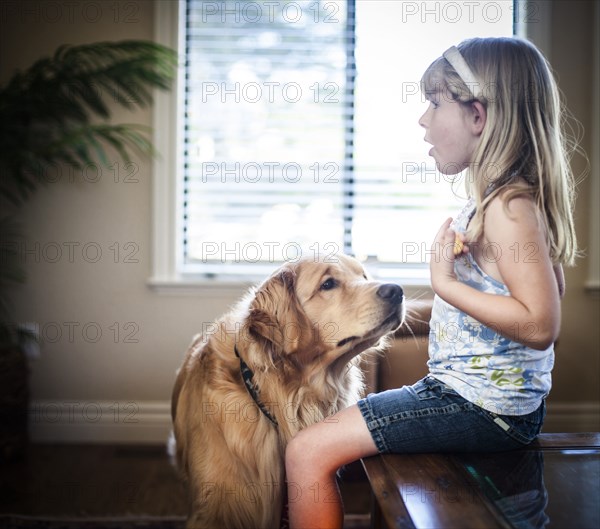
{"x":55,"y":480}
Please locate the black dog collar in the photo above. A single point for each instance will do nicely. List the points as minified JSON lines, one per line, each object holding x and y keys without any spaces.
{"x":248,"y":377}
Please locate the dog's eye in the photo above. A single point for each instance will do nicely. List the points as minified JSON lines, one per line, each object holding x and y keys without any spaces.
{"x":329,"y":284}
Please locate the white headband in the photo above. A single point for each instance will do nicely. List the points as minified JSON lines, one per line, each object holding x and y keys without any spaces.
{"x":457,"y":61}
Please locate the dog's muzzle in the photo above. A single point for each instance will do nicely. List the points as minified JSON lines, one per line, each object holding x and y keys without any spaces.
{"x":393,"y":295}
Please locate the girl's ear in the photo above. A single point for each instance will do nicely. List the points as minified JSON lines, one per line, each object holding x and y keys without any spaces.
{"x":478,"y":117}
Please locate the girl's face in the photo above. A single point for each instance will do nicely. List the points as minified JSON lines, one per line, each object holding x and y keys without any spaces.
{"x":450,"y":128}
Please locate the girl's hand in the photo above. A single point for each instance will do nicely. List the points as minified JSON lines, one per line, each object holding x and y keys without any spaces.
{"x":447,"y":245}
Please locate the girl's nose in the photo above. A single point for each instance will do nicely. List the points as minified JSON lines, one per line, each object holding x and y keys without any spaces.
{"x":422,"y":120}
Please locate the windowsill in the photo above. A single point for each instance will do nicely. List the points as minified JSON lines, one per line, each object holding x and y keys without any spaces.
{"x":199,"y":287}
{"x":228,"y":286}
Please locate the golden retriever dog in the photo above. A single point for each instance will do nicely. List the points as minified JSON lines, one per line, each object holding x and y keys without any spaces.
{"x":283,"y":359}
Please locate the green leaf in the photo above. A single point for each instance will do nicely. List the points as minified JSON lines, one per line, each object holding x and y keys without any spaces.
{"x":47,"y":111}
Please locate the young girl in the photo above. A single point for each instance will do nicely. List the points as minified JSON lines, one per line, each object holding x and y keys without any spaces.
{"x":494,"y":110}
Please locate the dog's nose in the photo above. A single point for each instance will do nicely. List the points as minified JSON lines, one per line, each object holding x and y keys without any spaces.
{"x":390,"y":292}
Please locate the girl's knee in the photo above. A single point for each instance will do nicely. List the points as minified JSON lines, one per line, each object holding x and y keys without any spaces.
{"x":330,"y":444}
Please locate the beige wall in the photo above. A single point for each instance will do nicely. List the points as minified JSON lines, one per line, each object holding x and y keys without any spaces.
{"x":137,"y":363}
{"x":577,"y":371}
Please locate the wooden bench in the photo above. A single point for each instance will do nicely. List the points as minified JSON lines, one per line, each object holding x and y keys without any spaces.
{"x":554,"y":482}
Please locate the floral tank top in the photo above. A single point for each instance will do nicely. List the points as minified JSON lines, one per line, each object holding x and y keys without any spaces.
{"x":489,"y":370}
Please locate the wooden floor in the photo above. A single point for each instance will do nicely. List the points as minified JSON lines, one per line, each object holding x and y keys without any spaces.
{"x":113,"y":480}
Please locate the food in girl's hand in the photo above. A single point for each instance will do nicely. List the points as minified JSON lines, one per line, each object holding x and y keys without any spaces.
{"x":458,"y":246}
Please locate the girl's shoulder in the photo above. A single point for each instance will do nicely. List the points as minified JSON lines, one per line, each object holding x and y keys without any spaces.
{"x":511,"y":204}
{"x":510,"y":211}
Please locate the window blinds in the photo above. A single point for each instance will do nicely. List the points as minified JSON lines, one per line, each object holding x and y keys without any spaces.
{"x":268,"y":132}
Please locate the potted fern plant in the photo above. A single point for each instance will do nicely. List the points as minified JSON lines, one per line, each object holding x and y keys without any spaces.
{"x":56,"y":112}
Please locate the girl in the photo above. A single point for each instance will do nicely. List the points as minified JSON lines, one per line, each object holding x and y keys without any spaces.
{"x":494,"y":110}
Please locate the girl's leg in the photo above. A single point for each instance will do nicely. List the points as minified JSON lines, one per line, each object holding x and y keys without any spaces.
{"x":312,"y":460}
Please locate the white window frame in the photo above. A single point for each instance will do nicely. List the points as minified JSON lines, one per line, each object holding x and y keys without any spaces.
{"x":166,"y":187}
{"x":167,"y":140}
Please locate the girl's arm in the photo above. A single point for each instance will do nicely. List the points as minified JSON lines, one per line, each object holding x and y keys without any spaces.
{"x":531,"y":313}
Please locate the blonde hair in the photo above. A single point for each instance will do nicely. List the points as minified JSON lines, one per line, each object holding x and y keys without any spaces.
{"x":523,"y":149}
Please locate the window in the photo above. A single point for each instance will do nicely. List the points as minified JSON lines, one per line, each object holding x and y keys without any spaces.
{"x":298,"y":133}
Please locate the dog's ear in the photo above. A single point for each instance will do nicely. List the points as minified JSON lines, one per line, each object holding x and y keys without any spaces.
{"x":276,"y":318}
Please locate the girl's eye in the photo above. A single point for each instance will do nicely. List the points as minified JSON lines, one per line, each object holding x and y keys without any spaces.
{"x":329,"y":284}
{"x":434,"y":104}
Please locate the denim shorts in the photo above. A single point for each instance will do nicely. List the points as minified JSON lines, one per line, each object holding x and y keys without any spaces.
{"x":429,"y":416}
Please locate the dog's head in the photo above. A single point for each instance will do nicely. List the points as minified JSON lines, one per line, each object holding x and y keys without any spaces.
{"x":324,"y":308}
